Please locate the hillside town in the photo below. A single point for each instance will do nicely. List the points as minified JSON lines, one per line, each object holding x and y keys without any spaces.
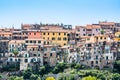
{"x":94,"y":45}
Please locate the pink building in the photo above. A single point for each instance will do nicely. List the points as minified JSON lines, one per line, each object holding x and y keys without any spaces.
{"x":34,"y":34}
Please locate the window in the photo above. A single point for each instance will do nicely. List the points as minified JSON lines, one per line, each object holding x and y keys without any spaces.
{"x":43,"y":33}
{"x":50,"y":54}
{"x":26,"y":41}
{"x":97,"y":38}
{"x":96,"y":56}
{"x":83,"y":29}
{"x":11,"y":59}
{"x":26,"y":60}
{"x":88,"y":39}
{"x":100,"y":37}
{"x":93,"y":34}
{"x":53,"y":38}
{"x":48,"y":33}
{"x":34,"y":33}
{"x":64,"y":33}
{"x":38,"y":54}
{"x":105,"y":38}
{"x":43,"y":37}
{"x":64,"y":44}
{"x":53,"y":33}
{"x":25,"y":55}
{"x":30,"y":33}
{"x":39,"y":41}
{"x":68,"y":34}
{"x":96,"y":62}
{"x":45,"y":54}
{"x":35,"y":55}
{"x":19,"y":60}
{"x":89,"y":34}
{"x":48,"y":38}
{"x":83,"y":34}
{"x":59,"y":38}
{"x":77,"y":34}
{"x":89,"y":45}
{"x":30,"y":41}
{"x":64,"y":38}
{"x":59,"y":33}
{"x":106,"y":57}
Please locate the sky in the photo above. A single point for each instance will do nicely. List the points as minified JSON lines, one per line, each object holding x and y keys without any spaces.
{"x":13,"y":13}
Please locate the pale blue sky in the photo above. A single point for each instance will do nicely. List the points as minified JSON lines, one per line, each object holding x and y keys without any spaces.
{"x":75,"y":12}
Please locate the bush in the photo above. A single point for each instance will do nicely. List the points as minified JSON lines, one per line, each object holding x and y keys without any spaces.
{"x":89,"y":78}
{"x":50,"y":78}
{"x":33,"y":77}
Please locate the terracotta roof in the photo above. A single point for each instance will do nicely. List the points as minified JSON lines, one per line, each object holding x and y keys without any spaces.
{"x":35,"y":39}
{"x":106,"y":23}
{"x":92,"y":27}
{"x":54,"y":30}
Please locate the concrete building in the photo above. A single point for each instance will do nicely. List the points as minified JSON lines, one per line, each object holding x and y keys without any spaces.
{"x":96,"y":51}
{"x":56,"y":37}
{"x":92,"y":30}
{"x":26,"y":59}
{"x":50,"y":54}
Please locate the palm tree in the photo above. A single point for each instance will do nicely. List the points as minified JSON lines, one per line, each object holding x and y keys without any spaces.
{"x":15,"y":52}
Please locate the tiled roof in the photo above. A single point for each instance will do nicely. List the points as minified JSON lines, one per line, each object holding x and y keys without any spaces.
{"x":92,"y":26}
{"x":106,"y":23}
{"x":54,"y":30}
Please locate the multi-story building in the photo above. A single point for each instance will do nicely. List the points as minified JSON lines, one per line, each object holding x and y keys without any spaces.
{"x":108,"y":27}
{"x":56,"y":37}
{"x":16,"y":34}
{"x":4,"y":46}
{"x":34,"y":34}
{"x":26,"y":59}
{"x":89,"y":30}
{"x":34,"y":44}
{"x":19,"y":44}
{"x":92,"y":30}
{"x":117,"y":27}
{"x":81,"y":29}
{"x":6,"y":34}
{"x":117,"y":36}
{"x":50,"y":54}
{"x":96,"y":51}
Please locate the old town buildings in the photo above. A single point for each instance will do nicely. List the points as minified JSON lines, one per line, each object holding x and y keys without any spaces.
{"x":94,"y":45}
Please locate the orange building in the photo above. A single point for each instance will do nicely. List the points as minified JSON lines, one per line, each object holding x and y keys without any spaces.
{"x":34,"y":34}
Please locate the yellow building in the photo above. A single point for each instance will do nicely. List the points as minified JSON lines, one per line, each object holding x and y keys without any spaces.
{"x":92,"y":39}
{"x":117,"y":36}
{"x":58,"y":37}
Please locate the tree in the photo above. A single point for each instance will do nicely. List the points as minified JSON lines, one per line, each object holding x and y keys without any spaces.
{"x":11,"y":78}
{"x":0,"y":76}
{"x":77,"y":66}
{"x":102,"y":31}
{"x":116,"y":76}
{"x":27,"y":73}
{"x":42,"y":70}
{"x":71,"y":77}
{"x":15,"y":78}
{"x":117,"y":66}
{"x":38,"y":78}
{"x":50,"y":78}
{"x":19,"y":78}
{"x":15,"y":52}
{"x":33,"y":77}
